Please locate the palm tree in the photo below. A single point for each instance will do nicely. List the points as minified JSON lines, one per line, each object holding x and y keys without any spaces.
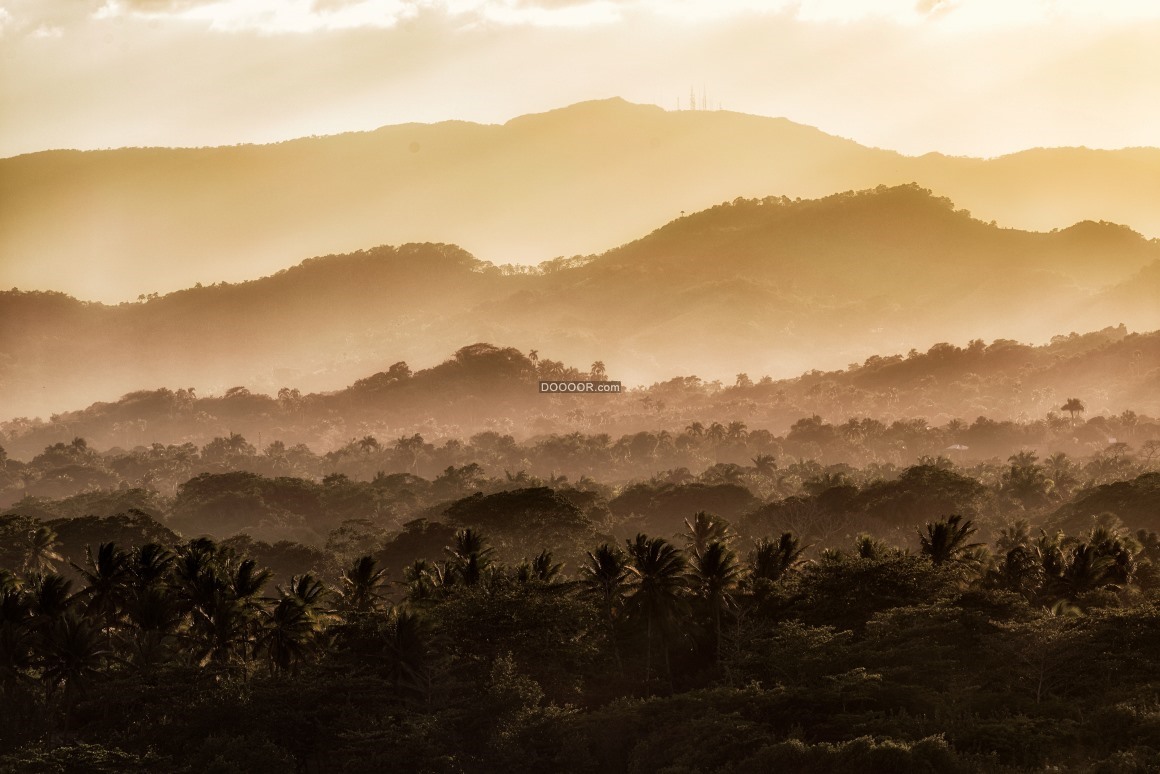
{"x":1020,"y":571}
{"x":1025,"y":479}
{"x":41,"y":552}
{"x":771,"y":560}
{"x":50,"y":595}
{"x":946,"y":541}
{"x":221,"y":598}
{"x":1073,"y":406}
{"x":306,"y":588}
{"x":362,"y":585}
{"x":1121,"y":550}
{"x":16,"y":636}
{"x":604,"y":578}
{"x":470,"y":556}
{"x":406,"y":645}
{"x":1087,"y":570}
{"x":245,"y":586}
{"x":705,"y":528}
{"x":72,"y":655}
{"x":422,"y":578}
{"x":149,"y":564}
{"x":736,"y":431}
{"x":287,"y":635}
{"x":105,"y":576}
{"x":542,"y":569}
{"x":867,"y":546}
{"x":247,"y":581}
{"x":765,"y":465}
{"x":696,"y":429}
{"x":659,"y":569}
{"x":716,"y":575}
{"x":368,"y":444}
{"x":153,"y":614}
{"x":1014,"y":535}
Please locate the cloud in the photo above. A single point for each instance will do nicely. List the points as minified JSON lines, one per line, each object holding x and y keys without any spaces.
{"x":303,"y":16}
{"x":277,"y":16}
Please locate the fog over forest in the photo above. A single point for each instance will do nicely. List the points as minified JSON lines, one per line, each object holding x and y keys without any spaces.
{"x":868,"y":478}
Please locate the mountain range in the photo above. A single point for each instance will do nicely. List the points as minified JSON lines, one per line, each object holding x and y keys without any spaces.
{"x":767,"y":286}
{"x":110,"y":225}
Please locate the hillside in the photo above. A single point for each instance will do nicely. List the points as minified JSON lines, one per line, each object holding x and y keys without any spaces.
{"x":973,"y":392}
{"x":109,"y":225}
{"x":768,"y":286}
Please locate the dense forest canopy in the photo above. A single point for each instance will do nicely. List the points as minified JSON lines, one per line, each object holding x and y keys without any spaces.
{"x":932,"y":618}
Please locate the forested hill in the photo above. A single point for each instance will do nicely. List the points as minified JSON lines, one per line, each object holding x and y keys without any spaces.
{"x":771,"y":286}
{"x":762,"y":286}
{"x":482,"y":388}
{"x":112,"y":224}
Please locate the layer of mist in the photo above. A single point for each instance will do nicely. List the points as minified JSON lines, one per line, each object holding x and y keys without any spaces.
{"x":764,"y":286}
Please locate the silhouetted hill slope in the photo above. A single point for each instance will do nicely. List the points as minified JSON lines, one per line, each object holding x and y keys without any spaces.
{"x":487,"y":388}
{"x":768,"y":286}
{"x":111,"y":224}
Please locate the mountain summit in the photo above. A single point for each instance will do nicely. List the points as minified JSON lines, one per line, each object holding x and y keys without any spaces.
{"x":109,"y":225}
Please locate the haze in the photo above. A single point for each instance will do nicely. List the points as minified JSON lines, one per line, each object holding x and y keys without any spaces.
{"x":491,"y":139}
{"x":974,"y":77}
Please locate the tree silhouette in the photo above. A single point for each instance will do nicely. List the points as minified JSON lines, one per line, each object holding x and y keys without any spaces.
{"x":659,"y":570}
{"x":16,"y":634}
{"x":946,"y":541}
{"x":1073,"y":406}
{"x":105,"y":576}
{"x":704,"y":529}
{"x":73,"y":654}
{"x":287,"y":634}
{"x":470,"y":556}
{"x":542,"y":569}
{"x":42,"y":551}
{"x":715,"y":576}
{"x":770,"y":560}
{"x":1026,"y":480}
{"x":604,"y":579}
{"x":405,"y":644}
{"x":423,"y":579}
{"x":765,"y":465}
{"x":362,"y":586}
{"x":50,"y":595}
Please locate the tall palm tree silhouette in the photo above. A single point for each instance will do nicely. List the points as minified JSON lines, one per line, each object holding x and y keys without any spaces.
{"x":659,"y":570}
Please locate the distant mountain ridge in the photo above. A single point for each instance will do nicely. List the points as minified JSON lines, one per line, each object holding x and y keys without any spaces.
{"x":770,"y":286}
{"x":112,"y":224}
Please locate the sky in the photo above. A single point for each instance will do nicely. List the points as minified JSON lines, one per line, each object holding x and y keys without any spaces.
{"x":963,"y":77}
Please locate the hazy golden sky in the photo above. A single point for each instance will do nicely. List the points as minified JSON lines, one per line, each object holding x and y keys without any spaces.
{"x":979,"y":77}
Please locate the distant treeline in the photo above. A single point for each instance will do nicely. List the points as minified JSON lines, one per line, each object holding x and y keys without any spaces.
{"x":228,"y":490}
{"x":974,"y":393}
